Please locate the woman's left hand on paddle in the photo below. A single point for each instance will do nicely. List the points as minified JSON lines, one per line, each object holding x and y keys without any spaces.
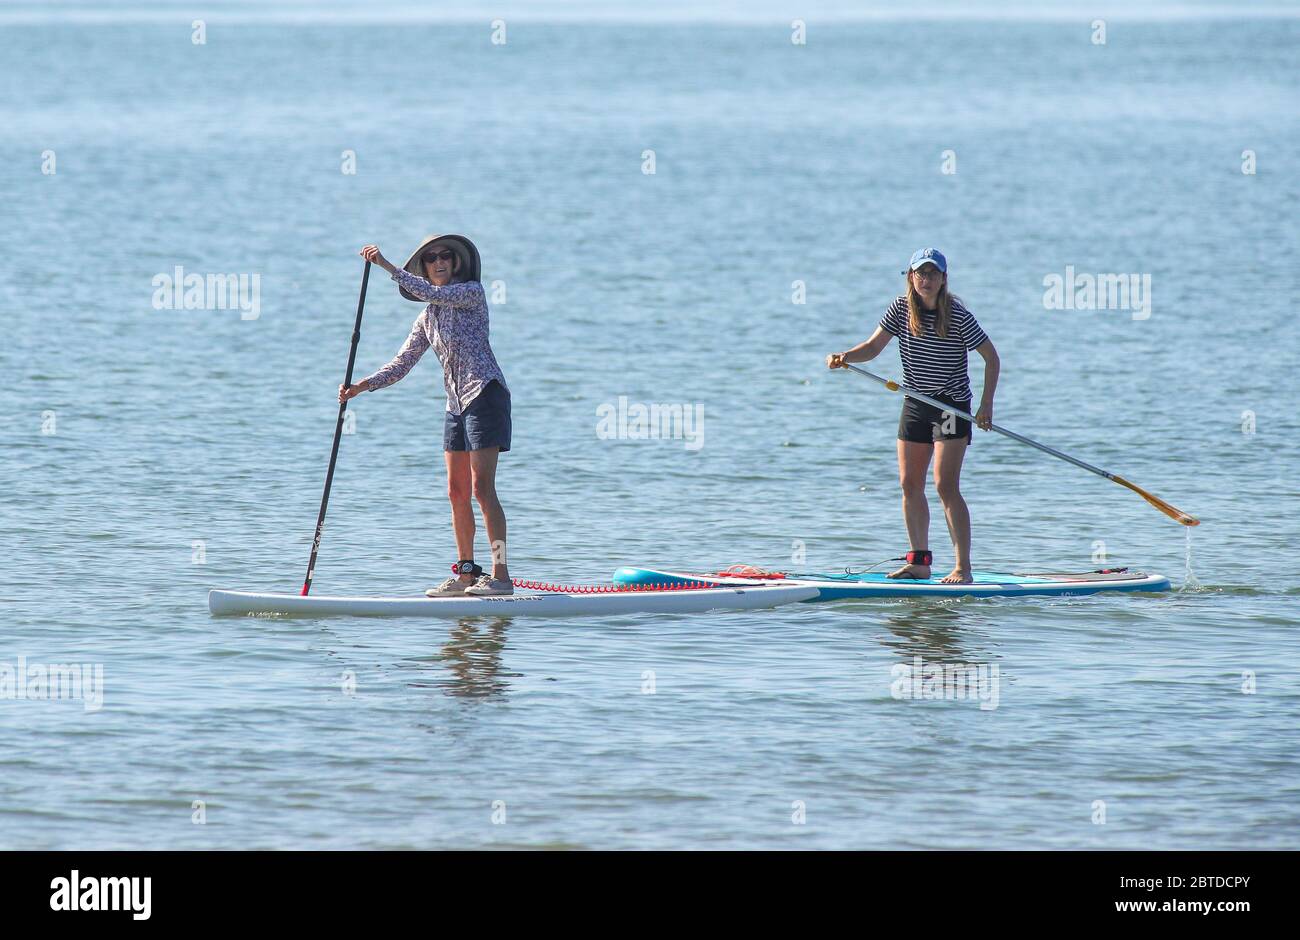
{"x":352,"y":391}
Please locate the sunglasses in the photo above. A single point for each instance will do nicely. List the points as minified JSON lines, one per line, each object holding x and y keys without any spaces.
{"x":432,"y":256}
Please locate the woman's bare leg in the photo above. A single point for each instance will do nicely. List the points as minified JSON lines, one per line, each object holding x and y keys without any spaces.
{"x":459,"y":490}
{"x":947,"y":480}
{"x":913,"y":462}
{"x":484,"y":463}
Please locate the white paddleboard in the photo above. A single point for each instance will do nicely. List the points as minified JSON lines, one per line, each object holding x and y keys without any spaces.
{"x":222,"y":603}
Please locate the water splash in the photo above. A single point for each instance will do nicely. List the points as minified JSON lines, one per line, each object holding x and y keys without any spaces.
{"x":1190,"y":581}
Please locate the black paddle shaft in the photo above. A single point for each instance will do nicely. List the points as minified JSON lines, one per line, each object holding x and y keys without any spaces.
{"x":338,"y":434}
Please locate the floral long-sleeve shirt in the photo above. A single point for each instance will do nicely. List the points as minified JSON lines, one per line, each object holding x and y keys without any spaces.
{"x":455,"y":324}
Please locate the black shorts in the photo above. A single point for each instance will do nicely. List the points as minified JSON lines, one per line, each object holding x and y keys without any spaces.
{"x":924,"y":424}
{"x":485,"y":423}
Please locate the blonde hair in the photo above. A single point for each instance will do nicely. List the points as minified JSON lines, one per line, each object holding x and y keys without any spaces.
{"x":943,"y":304}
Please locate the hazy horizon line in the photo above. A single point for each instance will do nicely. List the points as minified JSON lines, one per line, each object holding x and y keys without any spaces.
{"x":584,"y":12}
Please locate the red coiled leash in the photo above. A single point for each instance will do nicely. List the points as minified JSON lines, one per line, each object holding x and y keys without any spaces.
{"x":607,"y":588}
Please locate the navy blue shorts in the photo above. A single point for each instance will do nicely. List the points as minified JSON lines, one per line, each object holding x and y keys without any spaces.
{"x":924,"y":424}
{"x":485,"y":423}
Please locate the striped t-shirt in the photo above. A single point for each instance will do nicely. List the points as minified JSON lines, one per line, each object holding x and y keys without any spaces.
{"x":931,"y":364}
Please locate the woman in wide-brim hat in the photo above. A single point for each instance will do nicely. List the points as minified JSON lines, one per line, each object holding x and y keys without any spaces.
{"x":935,"y":331}
{"x":444,"y":272}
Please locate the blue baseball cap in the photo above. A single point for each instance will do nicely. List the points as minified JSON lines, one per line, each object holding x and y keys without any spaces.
{"x":928,"y":256}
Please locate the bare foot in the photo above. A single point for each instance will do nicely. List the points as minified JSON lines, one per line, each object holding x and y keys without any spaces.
{"x":912,"y":573}
{"x":958,"y":576}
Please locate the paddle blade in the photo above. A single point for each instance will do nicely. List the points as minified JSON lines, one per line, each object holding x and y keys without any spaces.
{"x":1173,"y":512}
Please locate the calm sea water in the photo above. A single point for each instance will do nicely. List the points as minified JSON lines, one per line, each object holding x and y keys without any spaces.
{"x":151,"y":454}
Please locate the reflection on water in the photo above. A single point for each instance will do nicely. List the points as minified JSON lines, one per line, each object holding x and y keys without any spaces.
{"x":472,"y":657}
{"x":941,"y":652}
{"x":467,"y":665}
{"x":935,"y":630}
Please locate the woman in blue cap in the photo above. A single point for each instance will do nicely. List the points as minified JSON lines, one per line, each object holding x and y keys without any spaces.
{"x":934,"y":331}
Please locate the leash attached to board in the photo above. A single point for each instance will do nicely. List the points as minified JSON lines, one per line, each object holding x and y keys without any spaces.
{"x":338,"y":434}
{"x":1171,"y":511}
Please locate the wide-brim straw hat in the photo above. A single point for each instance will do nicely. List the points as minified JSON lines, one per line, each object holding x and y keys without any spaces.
{"x":469,"y":269}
